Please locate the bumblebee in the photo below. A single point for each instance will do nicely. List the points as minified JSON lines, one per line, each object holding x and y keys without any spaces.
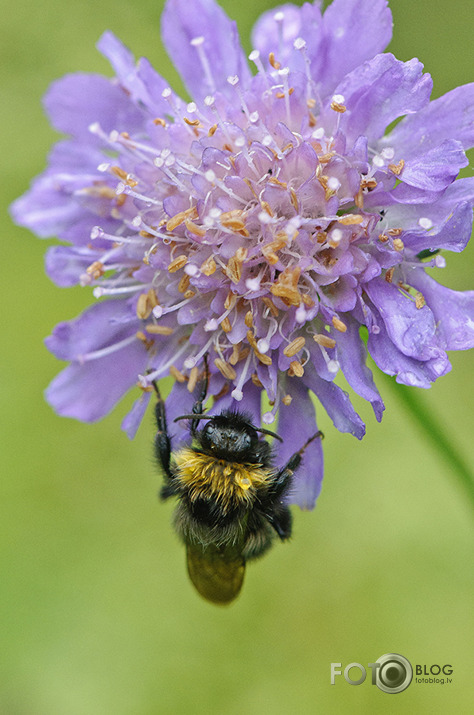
{"x":230,"y":496}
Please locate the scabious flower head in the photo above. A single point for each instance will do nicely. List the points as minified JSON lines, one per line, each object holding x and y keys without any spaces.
{"x":264,"y":223}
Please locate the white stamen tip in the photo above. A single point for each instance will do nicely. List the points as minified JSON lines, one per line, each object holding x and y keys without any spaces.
{"x":233,"y":80}
{"x":268,"y":418}
{"x":333,"y":366}
{"x":284,"y":72}
{"x":254,"y":55}
{"x":197,"y":41}
{"x":189,"y":363}
{"x":440,"y":261}
{"x":209,"y":100}
{"x":157,"y":311}
{"x":263,"y":345}
{"x":137,"y":221}
{"x":339,"y":98}
{"x":267,"y":140}
{"x":98,"y":292}
{"x":378,"y":160}
{"x":191,"y":269}
{"x":252,"y":283}
{"x":335,"y":235}
{"x":301,"y":315}
{"x":318,"y":133}
{"x":143,"y":380}
{"x":166,"y":93}
{"x":94,"y":128}
{"x":264,"y":218}
{"x":333,"y":183}
{"x":425,"y":223}
{"x":279,"y":16}
{"x":210,"y":176}
{"x":299,"y":43}
{"x":191,"y":108}
{"x":121,"y":188}
{"x":96,"y":232}
{"x":254,"y":117}
{"x":240,"y":142}
{"x":211,"y":325}
{"x":103,"y":167}
{"x":237,"y":394}
{"x":388,"y":152}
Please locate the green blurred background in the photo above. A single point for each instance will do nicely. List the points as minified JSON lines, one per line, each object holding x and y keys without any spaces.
{"x":97,"y":614}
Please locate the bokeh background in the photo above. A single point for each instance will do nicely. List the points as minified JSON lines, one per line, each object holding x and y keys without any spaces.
{"x":97,"y":614}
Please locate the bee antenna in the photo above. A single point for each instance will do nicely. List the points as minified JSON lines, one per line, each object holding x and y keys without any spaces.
{"x":267,"y":431}
{"x":193,"y":417}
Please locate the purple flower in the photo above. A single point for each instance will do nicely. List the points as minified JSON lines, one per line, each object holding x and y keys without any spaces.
{"x":266,"y":222}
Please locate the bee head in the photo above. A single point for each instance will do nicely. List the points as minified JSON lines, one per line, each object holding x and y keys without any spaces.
{"x":229,"y":437}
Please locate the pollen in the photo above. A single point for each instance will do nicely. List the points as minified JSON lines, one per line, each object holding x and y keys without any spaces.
{"x":144,"y":308}
{"x":159,"y":122}
{"x":226,"y":326}
{"x":397,"y":168}
{"x":180,"y":218}
{"x":249,"y":320}
{"x":324,"y":340}
{"x":208,"y":267}
{"x":177,"y":374}
{"x":178,"y":263}
{"x":350,"y":219}
{"x":154,"y":329}
{"x":287,"y":400}
{"x":234,"y":269}
{"x":419,"y":300}
{"x":194,"y":228}
{"x":389,"y":274}
{"x":95,"y":270}
{"x":339,"y":325}
{"x":225,"y":369}
{"x":271,"y":58}
{"x":193,"y":377}
{"x":285,"y":287}
{"x":398,"y":244}
{"x":296,"y":369}
{"x":294,"y":347}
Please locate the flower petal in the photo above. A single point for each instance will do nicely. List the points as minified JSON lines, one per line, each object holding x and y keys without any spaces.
{"x":107,"y":104}
{"x":452,"y":235}
{"x":354,"y":31}
{"x":183,"y":22}
{"x":296,"y":424}
{"x":132,"y":420}
{"x":448,"y":117}
{"x":408,"y":371}
{"x":352,"y":356}
{"x":335,"y":401}
{"x":89,"y":391}
{"x":380,"y":91}
{"x":436,"y":169}
{"x":412,"y":329}
{"x":453,"y":311}
{"x":96,"y":328}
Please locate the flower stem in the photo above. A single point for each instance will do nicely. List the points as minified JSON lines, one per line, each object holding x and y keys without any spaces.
{"x":437,"y":435}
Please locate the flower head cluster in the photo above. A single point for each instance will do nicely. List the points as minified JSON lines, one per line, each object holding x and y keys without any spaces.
{"x":263,"y":223}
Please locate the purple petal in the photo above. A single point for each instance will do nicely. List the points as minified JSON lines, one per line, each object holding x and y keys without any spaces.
{"x":412,"y":329}
{"x":272,"y":35}
{"x":352,"y":356}
{"x":179,"y":402}
{"x":335,"y":401}
{"x":96,"y":328}
{"x":354,"y":31}
{"x":453,"y":235}
{"x":183,"y":22}
{"x":296,"y":424}
{"x":408,"y":371}
{"x":141,"y":81}
{"x":436,"y":169}
{"x":448,"y":117}
{"x":65,"y":264}
{"x":132,"y":420}
{"x":380,"y":91}
{"x":89,"y":391}
{"x":453,"y":311}
{"x":76,"y":101}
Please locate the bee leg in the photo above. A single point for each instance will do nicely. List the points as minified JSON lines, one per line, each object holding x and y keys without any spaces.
{"x":163,"y":444}
{"x":198,"y":405}
{"x":281,"y":522}
{"x":283,"y":478}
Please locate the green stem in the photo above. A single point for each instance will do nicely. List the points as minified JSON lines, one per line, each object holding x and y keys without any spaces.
{"x":437,"y":435}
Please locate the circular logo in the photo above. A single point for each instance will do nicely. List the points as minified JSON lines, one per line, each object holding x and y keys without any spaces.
{"x":395,"y":673}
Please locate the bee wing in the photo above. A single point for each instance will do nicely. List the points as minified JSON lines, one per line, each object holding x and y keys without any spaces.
{"x":216,"y":572}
